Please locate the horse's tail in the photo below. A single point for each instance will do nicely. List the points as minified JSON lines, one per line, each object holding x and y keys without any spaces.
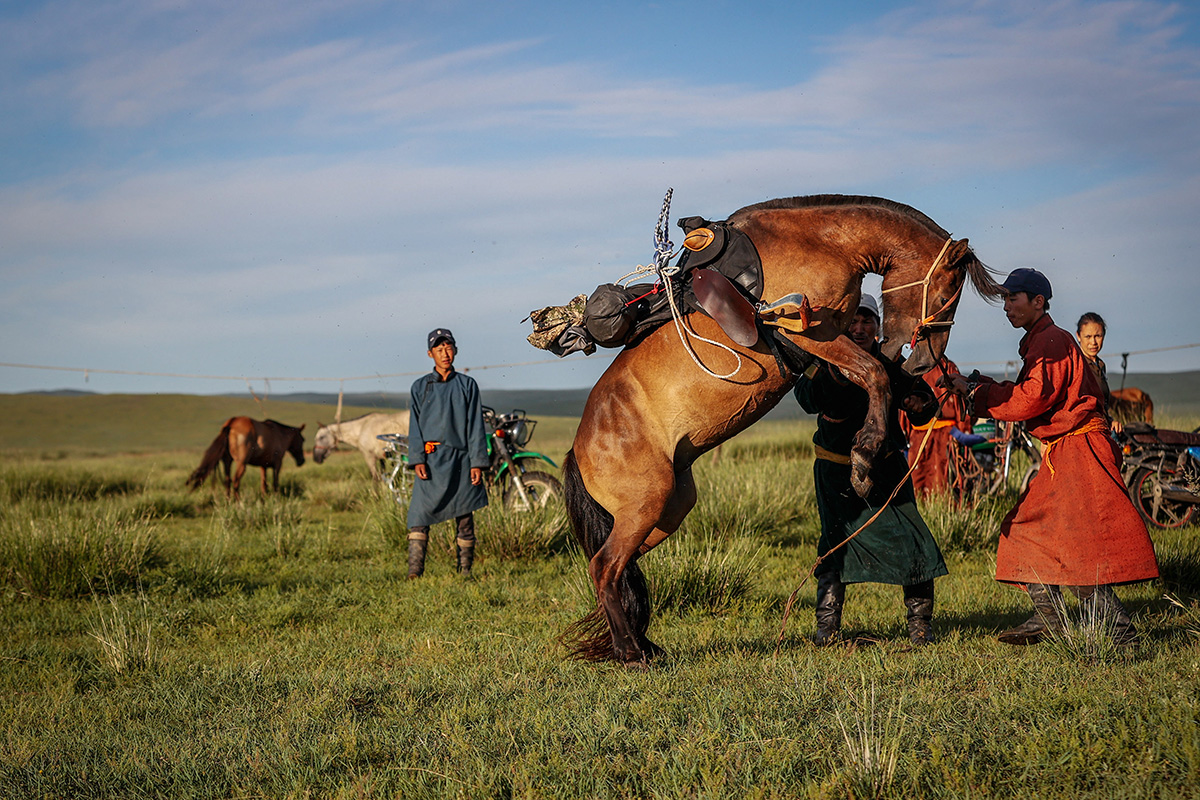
{"x":589,"y":638}
{"x":1148,"y":408}
{"x":212,"y":456}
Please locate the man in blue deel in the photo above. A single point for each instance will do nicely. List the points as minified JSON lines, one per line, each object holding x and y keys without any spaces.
{"x":447,"y":447}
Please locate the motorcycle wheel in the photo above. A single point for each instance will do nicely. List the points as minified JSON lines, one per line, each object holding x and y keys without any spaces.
{"x":539,"y":487}
{"x":1169,"y":514}
{"x":1028,"y":476}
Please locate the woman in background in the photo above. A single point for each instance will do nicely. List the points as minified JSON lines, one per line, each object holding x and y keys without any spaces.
{"x":1090,"y":331}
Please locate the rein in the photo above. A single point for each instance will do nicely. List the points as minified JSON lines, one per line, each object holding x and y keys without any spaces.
{"x":929,"y":320}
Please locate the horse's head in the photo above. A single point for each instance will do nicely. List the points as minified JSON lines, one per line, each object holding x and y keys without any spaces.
{"x":919,"y":308}
{"x":296,"y":446}
{"x":324,"y":442}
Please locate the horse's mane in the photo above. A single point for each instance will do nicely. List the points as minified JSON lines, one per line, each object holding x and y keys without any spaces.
{"x":352,"y":419}
{"x":282,"y":425}
{"x":389,"y":413}
{"x":982,"y":277}
{"x":809,"y":201}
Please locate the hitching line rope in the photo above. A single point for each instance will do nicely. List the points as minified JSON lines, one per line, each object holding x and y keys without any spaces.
{"x":242,"y":378}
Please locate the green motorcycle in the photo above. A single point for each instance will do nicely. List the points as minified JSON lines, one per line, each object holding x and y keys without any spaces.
{"x":514,"y":472}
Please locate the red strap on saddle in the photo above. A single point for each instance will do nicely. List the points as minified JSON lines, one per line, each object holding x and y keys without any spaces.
{"x":657,"y":288}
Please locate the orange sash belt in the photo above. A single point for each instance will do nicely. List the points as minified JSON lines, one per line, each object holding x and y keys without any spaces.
{"x":430,"y":447}
{"x":1098,"y":425}
{"x":829,"y":455}
{"x":935,"y":424}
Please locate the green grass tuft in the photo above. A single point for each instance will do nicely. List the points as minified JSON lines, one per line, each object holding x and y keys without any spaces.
{"x":701,"y":574}
{"x":71,"y":551}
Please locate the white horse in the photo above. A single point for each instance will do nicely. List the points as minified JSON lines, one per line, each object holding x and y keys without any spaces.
{"x":361,"y":432}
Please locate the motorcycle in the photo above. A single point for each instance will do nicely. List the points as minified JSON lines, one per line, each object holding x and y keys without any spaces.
{"x":513,"y":472}
{"x":980,"y":462}
{"x":1162,"y":472}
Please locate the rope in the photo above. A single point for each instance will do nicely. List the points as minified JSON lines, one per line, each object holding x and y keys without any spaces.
{"x":663,"y":253}
{"x":245,"y":378}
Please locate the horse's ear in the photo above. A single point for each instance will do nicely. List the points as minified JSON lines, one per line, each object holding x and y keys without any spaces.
{"x":957,"y":251}
{"x":301,"y":427}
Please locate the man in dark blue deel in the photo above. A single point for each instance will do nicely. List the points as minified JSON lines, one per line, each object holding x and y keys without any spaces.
{"x":447,"y":447}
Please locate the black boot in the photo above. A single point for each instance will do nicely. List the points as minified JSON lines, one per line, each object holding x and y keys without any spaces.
{"x":918,"y":601}
{"x":466,"y":556}
{"x":1099,"y":606}
{"x":1045,"y":622}
{"x":416,"y":554}
{"x":831,"y":596}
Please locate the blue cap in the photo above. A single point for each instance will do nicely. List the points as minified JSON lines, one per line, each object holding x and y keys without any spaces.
{"x":441,"y":334}
{"x":1025,"y":279}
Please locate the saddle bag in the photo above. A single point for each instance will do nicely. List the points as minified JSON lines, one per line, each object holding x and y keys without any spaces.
{"x":609,"y":316}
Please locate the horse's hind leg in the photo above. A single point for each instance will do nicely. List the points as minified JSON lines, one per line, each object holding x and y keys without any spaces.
{"x":626,"y":603}
{"x":620,"y":586}
{"x":237,"y":478}
{"x":679,"y":505}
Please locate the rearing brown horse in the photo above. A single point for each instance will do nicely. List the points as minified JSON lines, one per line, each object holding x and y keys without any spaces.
{"x":257,"y":443}
{"x":628,"y":479}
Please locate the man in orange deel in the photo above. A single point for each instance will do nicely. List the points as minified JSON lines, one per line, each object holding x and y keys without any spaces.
{"x":1075,"y":526}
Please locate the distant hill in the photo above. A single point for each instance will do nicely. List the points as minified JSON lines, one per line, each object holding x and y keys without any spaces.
{"x":544,"y":402}
{"x":1176,"y":393}
{"x":74,"y":421}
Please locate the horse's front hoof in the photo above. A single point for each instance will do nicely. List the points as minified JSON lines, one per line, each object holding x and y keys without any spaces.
{"x":860,"y":474}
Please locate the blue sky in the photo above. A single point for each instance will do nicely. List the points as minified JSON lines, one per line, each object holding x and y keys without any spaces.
{"x":295,"y":189}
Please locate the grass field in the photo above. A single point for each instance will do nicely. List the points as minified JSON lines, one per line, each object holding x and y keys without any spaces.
{"x":165,"y":644}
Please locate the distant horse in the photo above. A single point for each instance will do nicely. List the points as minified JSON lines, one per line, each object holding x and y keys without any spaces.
{"x":1132,"y":405}
{"x":253,"y":442}
{"x":360,"y":432}
{"x":628,"y":479}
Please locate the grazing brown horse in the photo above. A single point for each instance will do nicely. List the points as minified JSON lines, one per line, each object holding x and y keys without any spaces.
{"x":258,"y":443}
{"x":1132,"y":405}
{"x":628,"y":479}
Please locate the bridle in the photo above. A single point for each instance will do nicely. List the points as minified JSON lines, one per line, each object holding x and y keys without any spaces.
{"x":929,"y":320}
